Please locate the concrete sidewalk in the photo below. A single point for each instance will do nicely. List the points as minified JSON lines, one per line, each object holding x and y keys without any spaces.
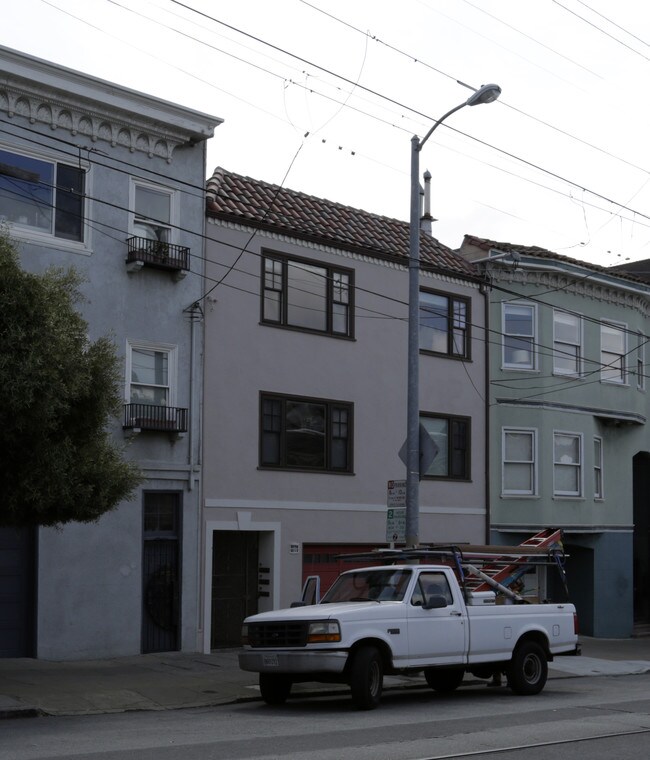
{"x":173,"y":680}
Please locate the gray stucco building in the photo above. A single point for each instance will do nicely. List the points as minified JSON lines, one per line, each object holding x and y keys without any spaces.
{"x":305,"y":395}
{"x":111,"y":181}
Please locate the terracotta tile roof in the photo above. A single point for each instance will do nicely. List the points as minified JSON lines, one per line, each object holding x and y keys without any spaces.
{"x":543,"y":253}
{"x":235,"y":198}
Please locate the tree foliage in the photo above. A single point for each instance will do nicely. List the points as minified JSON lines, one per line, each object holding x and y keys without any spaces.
{"x":59,"y":391}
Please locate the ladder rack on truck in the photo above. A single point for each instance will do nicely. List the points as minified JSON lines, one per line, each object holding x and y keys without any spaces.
{"x":483,"y":568}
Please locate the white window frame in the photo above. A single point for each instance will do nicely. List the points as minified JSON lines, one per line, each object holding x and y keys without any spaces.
{"x":559,"y":344}
{"x":604,"y":370}
{"x":599,"y":487}
{"x":532,"y":365}
{"x":172,"y":367}
{"x":532,"y":463}
{"x":43,"y":237}
{"x":640,"y":364}
{"x":172,"y":225}
{"x":579,"y":465}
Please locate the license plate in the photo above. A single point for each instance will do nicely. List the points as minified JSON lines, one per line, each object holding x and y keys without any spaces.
{"x":270,"y":660}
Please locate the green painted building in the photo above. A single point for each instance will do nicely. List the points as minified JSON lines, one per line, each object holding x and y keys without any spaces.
{"x":567,"y":410}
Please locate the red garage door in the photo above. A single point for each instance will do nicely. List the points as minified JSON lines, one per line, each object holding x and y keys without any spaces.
{"x":323,"y":560}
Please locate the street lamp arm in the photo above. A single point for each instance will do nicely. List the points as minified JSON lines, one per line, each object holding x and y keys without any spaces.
{"x":488,"y":93}
{"x":437,"y":124}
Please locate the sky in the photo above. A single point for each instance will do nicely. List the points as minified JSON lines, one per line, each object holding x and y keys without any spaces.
{"x":323,"y":97}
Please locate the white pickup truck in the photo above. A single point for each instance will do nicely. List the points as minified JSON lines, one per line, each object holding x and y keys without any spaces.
{"x":404,"y":619}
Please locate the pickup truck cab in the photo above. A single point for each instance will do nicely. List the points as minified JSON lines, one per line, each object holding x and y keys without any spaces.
{"x":404,"y":619}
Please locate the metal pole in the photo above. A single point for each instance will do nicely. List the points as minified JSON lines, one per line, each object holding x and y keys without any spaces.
{"x":413,"y":387}
{"x":485,"y":94}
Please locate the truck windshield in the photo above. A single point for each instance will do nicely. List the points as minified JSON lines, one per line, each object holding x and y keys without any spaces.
{"x":374,"y":585}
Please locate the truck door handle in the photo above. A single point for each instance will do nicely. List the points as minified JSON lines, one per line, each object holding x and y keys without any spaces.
{"x":456,"y":614}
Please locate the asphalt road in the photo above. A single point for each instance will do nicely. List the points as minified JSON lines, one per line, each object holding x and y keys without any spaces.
{"x":595,"y":718}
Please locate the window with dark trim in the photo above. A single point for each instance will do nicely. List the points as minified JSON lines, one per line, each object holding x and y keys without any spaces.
{"x":444,"y":324}
{"x":451,"y":437}
{"x":299,"y":433}
{"x":41,"y":196}
{"x":307,"y":296}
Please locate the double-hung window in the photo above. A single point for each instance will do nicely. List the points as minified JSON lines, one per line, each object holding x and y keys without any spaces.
{"x":518,"y":336}
{"x":305,"y":433}
{"x":304,"y":295}
{"x":613,"y":350}
{"x":151,"y":389}
{"x":153,"y":212}
{"x":567,"y":343}
{"x":519,"y":474}
{"x":151,"y":372}
{"x":451,"y":439}
{"x":598,"y":468}
{"x":40,"y":196}
{"x":444,"y":324}
{"x":567,"y":464}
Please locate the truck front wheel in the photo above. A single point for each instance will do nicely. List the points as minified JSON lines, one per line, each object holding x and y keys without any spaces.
{"x":444,"y":679}
{"x":366,"y":677}
{"x":528,"y":669}
{"x":274,"y":688}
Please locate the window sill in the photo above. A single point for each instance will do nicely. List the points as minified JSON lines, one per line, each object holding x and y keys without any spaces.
{"x":307,"y":331}
{"x":527,"y":496}
{"x":266,"y":468}
{"x":531,"y":370}
{"x":443,"y":355}
{"x":50,"y":241}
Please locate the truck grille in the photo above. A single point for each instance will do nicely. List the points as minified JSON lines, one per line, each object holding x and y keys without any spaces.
{"x":280,"y":634}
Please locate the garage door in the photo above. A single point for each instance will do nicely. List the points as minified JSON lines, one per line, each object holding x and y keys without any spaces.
{"x":17,"y":548}
{"x":323,"y":560}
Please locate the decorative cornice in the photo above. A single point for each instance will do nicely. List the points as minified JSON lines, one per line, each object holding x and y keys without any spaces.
{"x":612,"y":416}
{"x":98,"y":121}
{"x":618,"y":294}
{"x":99,"y":124}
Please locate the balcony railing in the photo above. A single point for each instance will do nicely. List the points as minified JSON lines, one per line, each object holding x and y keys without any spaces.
{"x":156,"y":253}
{"x":168,"y":419}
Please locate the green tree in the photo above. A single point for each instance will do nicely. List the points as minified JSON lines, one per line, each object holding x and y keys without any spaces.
{"x":58,"y":462}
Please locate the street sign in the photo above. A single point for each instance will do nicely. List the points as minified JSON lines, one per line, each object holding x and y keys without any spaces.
{"x":428,"y":450}
{"x":396,"y":496}
{"x":395,"y":526}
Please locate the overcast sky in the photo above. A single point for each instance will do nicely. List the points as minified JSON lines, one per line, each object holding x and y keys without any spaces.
{"x":323,"y":96}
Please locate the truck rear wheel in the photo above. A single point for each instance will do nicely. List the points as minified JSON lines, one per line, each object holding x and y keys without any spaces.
{"x":366,"y":677}
{"x":444,"y":679}
{"x":274,"y":688}
{"x":528,"y":669}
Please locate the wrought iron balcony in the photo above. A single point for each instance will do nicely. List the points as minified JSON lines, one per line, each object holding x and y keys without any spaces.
{"x":157,"y":254}
{"x":168,"y":419}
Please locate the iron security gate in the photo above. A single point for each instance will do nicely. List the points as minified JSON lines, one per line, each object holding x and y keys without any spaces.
{"x":161,"y":573}
{"x":235,"y":581}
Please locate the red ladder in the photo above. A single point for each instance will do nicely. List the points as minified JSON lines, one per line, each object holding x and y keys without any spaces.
{"x":507,"y":568}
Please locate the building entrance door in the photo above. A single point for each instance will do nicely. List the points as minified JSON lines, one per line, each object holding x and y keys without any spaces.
{"x":235,"y":574}
{"x":641,"y":567}
{"x":17,"y":587}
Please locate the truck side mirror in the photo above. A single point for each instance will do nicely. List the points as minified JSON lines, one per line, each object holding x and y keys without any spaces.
{"x":435,"y":602}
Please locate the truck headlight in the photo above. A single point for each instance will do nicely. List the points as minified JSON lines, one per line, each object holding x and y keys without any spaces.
{"x":323,"y":631}
{"x":244,"y":634}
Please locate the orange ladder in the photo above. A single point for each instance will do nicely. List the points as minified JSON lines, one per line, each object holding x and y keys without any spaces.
{"x":507,"y":568}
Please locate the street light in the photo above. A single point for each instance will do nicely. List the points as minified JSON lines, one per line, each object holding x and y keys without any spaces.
{"x":485,"y":94}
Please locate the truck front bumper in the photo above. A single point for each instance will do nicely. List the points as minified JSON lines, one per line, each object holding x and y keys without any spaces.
{"x":283,"y":661}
